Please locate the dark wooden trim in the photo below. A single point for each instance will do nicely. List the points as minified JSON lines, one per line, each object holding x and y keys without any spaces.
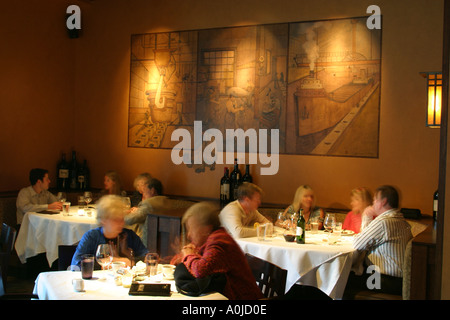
{"x":443,"y":151}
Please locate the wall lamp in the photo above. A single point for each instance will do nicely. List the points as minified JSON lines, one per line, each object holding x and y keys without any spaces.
{"x":434,"y":92}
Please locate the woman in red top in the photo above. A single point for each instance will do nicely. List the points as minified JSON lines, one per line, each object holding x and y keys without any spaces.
{"x":213,"y":250}
{"x":361,"y":198}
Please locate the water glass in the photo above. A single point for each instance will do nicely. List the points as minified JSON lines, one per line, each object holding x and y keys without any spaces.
{"x":151,"y":259}
{"x":261,"y":232}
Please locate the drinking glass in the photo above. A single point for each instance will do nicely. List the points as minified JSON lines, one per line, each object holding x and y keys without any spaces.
{"x":127,"y":201}
{"x":104,"y":255}
{"x":330,"y":222}
{"x":61,"y":197}
{"x":81,"y":202}
{"x":151,"y":259}
{"x":88,"y":197}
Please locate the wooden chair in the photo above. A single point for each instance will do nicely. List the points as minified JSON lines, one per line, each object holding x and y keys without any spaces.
{"x":270,"y":278}
{"x":7,"y":238}
{"x":65,"y":255}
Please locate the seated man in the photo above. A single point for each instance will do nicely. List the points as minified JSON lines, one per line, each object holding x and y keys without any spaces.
{"x":36,"y":197}
{"x":152,"y":198}
{"x":385,"y":240}
{"x":238,"y":217}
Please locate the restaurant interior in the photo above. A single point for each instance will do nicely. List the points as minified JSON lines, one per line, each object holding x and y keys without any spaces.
{"x":64,"y":91}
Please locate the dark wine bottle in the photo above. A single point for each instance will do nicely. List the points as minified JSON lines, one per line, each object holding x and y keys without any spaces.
{"x":83,"y":176}
{"x":247,"y":176}
{"x":435,"y":204}
{"x":225,"y":188}
{"x":234,"y":181}
{"x":62,"y":181}
{"x":73,"y":185}
{"x":300,"y":232}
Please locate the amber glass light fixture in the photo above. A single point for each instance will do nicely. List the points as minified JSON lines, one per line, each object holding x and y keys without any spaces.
{"x":434,"y":92}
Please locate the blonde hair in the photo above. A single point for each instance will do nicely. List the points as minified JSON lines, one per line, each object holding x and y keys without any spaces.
{"x":114,"y":176}
{"x":296,"y":203}
{"x":364,"y":194}
{"x":110,"y":207}
{"x":145,"y":177}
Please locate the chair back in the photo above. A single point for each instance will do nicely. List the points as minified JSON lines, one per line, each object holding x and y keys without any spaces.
{"x":270,"y":278}
{"x":7,"y":239}
{"x":65,"y":255}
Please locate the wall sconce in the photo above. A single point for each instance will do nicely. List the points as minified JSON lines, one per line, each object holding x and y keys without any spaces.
{"x":434,"y":92}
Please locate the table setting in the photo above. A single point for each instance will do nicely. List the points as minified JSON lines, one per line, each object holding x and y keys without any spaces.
{"x":323,"y":261}
{"x":44,"y":231}
{"x":116,"y":281}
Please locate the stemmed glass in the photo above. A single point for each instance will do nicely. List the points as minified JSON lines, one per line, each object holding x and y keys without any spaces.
{"x":104,"y":255}
{"x":127,"y":201}
{"x":330,"y":222}
{"x":87,"y":197}
{"x":61,"y":197}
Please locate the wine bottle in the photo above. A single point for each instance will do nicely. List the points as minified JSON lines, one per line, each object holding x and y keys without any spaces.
{"x":435,"y":204}
{"x":225,"y":188}
{"x":73,"y":172}
{"x":62,"y":181}
{"x":247,"y":176}
{"x":82,"y":176}
{"x":234,"y":181}
{"x":300,"y":232}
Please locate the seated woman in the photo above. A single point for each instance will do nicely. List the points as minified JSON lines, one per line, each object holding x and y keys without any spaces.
{"x":139,"y":184}
{"x":112,"y":184}
{"x":212,"y":250}
{"x":304,"y":199}
{"x":125,"y":243}
{"x":152,"y":199}
{"x":360,"y":199}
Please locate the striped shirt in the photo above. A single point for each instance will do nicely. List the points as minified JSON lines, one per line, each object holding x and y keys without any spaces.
{"x":385,"y":239}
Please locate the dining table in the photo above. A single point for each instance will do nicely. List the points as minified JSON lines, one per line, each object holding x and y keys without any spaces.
{"x":322,"y":262}
{"x":43,"y":232}
{"x":57,"y":285}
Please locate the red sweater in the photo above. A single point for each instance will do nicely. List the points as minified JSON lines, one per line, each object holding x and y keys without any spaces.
{"x":352,"y":222}
{"x":221,"y":253}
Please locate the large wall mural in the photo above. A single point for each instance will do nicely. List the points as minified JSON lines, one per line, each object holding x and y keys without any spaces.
{"x":317,"y":82}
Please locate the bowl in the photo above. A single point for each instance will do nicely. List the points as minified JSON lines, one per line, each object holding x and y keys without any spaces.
{"x":289,"y":237}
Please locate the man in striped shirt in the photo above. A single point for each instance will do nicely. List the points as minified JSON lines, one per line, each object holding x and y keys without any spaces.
{"x":385,"y":240}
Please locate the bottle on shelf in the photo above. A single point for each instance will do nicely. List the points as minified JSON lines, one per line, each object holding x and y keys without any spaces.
{"x":247,"y":176}
{"x":234,"y":181}
{"x":62,"y":181}
{"x":73,"y":183}
{"x":83,"y":176}
{"x":300,"y":231}
{"x":225,"y":188}
{"x":435,"y":204}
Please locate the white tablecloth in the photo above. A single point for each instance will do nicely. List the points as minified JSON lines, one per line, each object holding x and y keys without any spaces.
{"x":316,"y":263}
{"x":45,"y":232}
{"x":57,"y":285}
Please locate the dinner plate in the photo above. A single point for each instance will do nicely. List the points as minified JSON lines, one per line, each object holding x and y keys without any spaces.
{"x":347,"y":232}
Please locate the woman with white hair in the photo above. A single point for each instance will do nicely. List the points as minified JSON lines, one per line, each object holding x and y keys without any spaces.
{"x":211,"y":250}
{"x":111,"y":211}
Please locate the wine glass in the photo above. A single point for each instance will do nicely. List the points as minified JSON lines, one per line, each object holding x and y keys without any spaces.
{"x":104,"y":255}
{"x":330,"y":222}
{"x":61,"y":197}
{"x":127,"y":201}
{"x":87,"y":197}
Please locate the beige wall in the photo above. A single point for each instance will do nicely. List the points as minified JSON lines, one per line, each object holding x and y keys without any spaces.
{"x":60,"y":93}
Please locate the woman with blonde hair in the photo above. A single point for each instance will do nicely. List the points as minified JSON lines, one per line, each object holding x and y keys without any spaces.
{"x":304,"y":198}
{"x":112,"y":184}
{"x":360,"y":201}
